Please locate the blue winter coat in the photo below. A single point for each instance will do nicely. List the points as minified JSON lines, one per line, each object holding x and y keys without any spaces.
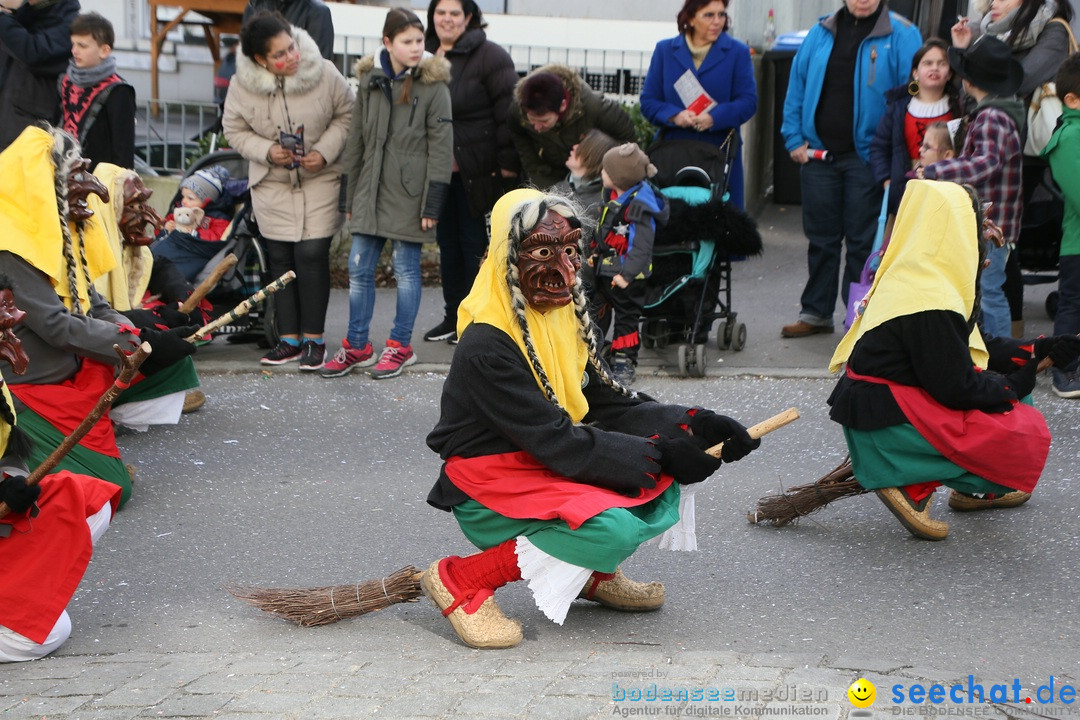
{"x":726,"y":73}
{"x":889,"y":158}
{"x":884,"y":61}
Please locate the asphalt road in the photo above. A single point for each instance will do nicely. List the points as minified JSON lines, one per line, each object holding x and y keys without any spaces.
{"x":288,"y":480}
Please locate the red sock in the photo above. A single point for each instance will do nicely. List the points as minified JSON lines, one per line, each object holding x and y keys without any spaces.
{"x":597,"y":578}
{"x":473,"y":579}
{"x":918,"y":491}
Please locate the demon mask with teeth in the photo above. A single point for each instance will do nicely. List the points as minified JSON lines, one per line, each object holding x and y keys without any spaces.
{"x":138,"y":213}
{"x":548,"y":261}
{"x":81,"y":184}
{"x":11,"y":348}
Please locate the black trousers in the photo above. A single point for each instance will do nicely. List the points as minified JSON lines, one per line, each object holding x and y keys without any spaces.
{"x":624,"y":306}
{"x":301,"y":305}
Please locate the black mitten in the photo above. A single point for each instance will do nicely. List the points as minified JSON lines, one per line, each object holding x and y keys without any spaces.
{"x":1022,"y":380}
{"x":685,"y":461}
{"x":715,"y":429}
{"x":168,"y":346}
{"x":17,"y":494}
{"x":1061,"y":349}
{"x":170,"y":315}
{"x":143,"y":318}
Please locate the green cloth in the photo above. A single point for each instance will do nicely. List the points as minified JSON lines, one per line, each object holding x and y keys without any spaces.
{"x":601,"y":543}
{"x":898,"y":455}
{"x":175,"y":378}
{"x":80,"y":460}
{"x":1063,"y":152}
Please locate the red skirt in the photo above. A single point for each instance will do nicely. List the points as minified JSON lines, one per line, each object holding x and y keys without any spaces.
{"x":44,"y":558}
{"x":67,"y":404}
{"x":515,"y":485}
{"x":1008,"y":448}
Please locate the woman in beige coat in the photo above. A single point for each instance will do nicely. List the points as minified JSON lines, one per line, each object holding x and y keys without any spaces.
{"x":288,"y":112}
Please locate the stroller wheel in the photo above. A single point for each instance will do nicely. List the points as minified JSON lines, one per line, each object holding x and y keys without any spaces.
{"x":723,"y":336}
{"x":1052,"y":304}
{"x":701,"y":361}
{"x":683,"y":360}
{"x":738,"y":340}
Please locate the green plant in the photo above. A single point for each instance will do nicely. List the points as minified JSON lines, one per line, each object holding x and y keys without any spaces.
{"x":207,"y":144}
{"x":643,"y":129}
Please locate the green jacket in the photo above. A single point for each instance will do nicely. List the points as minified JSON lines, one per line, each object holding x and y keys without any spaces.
{"x":399,"y":154}
{"x":543,"y":155}
{"x":1063,"y":152}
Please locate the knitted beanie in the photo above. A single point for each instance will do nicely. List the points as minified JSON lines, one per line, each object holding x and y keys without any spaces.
{"x":627,"y":165}
{"x":207,"y":183}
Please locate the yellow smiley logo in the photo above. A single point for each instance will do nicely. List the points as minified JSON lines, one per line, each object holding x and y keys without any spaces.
{"x":862,"y":693}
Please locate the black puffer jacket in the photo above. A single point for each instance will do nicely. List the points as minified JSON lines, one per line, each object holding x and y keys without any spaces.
{"x":310,"y":15}
{"x":35,"y":46}
{"x":482,"y":79}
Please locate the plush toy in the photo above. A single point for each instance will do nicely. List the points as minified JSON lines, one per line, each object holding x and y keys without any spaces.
{"x":188,"y":219}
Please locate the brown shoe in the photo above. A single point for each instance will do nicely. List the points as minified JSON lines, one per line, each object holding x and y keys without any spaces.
{"x":802,"y":329}
{"x":193,"y":400}
{"x":487,"y":628}
{"x":967,"y":503}
{"x":622,"y":593}
{"x":914,"y":516}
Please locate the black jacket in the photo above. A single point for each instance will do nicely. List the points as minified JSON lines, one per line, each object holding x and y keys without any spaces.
{"x":482,"y":80}
{"x":110,"y":137}
{"x":35,"y":46}
{"x":310,"y":15}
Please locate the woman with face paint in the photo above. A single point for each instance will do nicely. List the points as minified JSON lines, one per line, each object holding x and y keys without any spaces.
{"x":554,"y":470}
{"x":287,"y":112}
{"x":398,"y":161}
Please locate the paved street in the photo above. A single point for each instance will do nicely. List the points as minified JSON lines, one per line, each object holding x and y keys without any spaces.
{"x":289,"y":480}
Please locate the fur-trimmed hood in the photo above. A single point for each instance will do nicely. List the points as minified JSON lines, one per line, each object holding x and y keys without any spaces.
{"x":428,"y":71}
{"x":258,"y":79}
{"x":571,"y":80}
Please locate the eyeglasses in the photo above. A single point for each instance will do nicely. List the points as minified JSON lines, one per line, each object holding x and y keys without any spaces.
{"x":281,"y":54}
{"x":710,"y":16}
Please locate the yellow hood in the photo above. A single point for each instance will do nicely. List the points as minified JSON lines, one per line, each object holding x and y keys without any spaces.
{"x":931,"y":264}
{"x":555,"y":337}
{"x":124,"y":285}
{"x":31,"y":222}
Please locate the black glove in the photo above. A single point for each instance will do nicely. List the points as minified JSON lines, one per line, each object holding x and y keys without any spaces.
{"x":712,"y":429}
{"x":1061,"y":349}
{"x":169,"y":346}
{"x":17,"y":494}
{"x":1022,"y":380}
{"x":685,"y":461}
{"x":170,"y":315}
{"x":143,"y":318}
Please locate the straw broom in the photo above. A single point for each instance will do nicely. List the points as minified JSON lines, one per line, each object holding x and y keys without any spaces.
{"x":801,"y":500}
{"x":309,"y":607}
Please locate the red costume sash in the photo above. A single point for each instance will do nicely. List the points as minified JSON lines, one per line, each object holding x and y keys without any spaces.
{"x":515,"y":485}
{"x":1007,"y":448}
{"x":44,"y":558}
{"x":67,"y":404}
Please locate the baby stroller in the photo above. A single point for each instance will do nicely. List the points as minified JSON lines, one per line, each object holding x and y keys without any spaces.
{"x":690,"y":286}
{"x":1039,"y":242}
{"x":252,"y":271}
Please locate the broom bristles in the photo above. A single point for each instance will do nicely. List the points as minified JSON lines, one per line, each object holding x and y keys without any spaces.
{"x":802,"y":500}
{"x":313,"y":606}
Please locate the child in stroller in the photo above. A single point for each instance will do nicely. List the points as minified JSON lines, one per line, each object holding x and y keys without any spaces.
{"x":207,"y":196}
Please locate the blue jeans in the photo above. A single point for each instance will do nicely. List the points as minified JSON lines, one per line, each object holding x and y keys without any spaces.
{"x":996,"y":316}
{"x":841,"y":204}
{"x":363,"y":259}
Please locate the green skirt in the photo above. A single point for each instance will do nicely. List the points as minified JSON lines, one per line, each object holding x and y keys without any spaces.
{"x":175,"y":378}
{"x":79,"y":460}
{"x":898,"y":455}
{"x":601,"y":543}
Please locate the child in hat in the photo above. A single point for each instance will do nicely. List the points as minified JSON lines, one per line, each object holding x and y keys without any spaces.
{"x":990,"y":159}
{"x":583,"y":183}
{"x":205,"y":190}
{"x":621,"y":252}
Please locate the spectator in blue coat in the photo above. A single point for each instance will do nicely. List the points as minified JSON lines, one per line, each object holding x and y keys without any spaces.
{"x":835,"y":99}
{"x":720,"y":64}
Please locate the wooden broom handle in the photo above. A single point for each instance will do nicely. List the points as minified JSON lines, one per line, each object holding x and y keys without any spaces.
{"x":244,"y":307}
{"x":208,"y":284}
{"x":129,"y":366}
{"x":762,"y":428}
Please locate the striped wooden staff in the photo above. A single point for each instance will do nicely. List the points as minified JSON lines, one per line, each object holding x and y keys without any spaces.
{"x":244,"y":307}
